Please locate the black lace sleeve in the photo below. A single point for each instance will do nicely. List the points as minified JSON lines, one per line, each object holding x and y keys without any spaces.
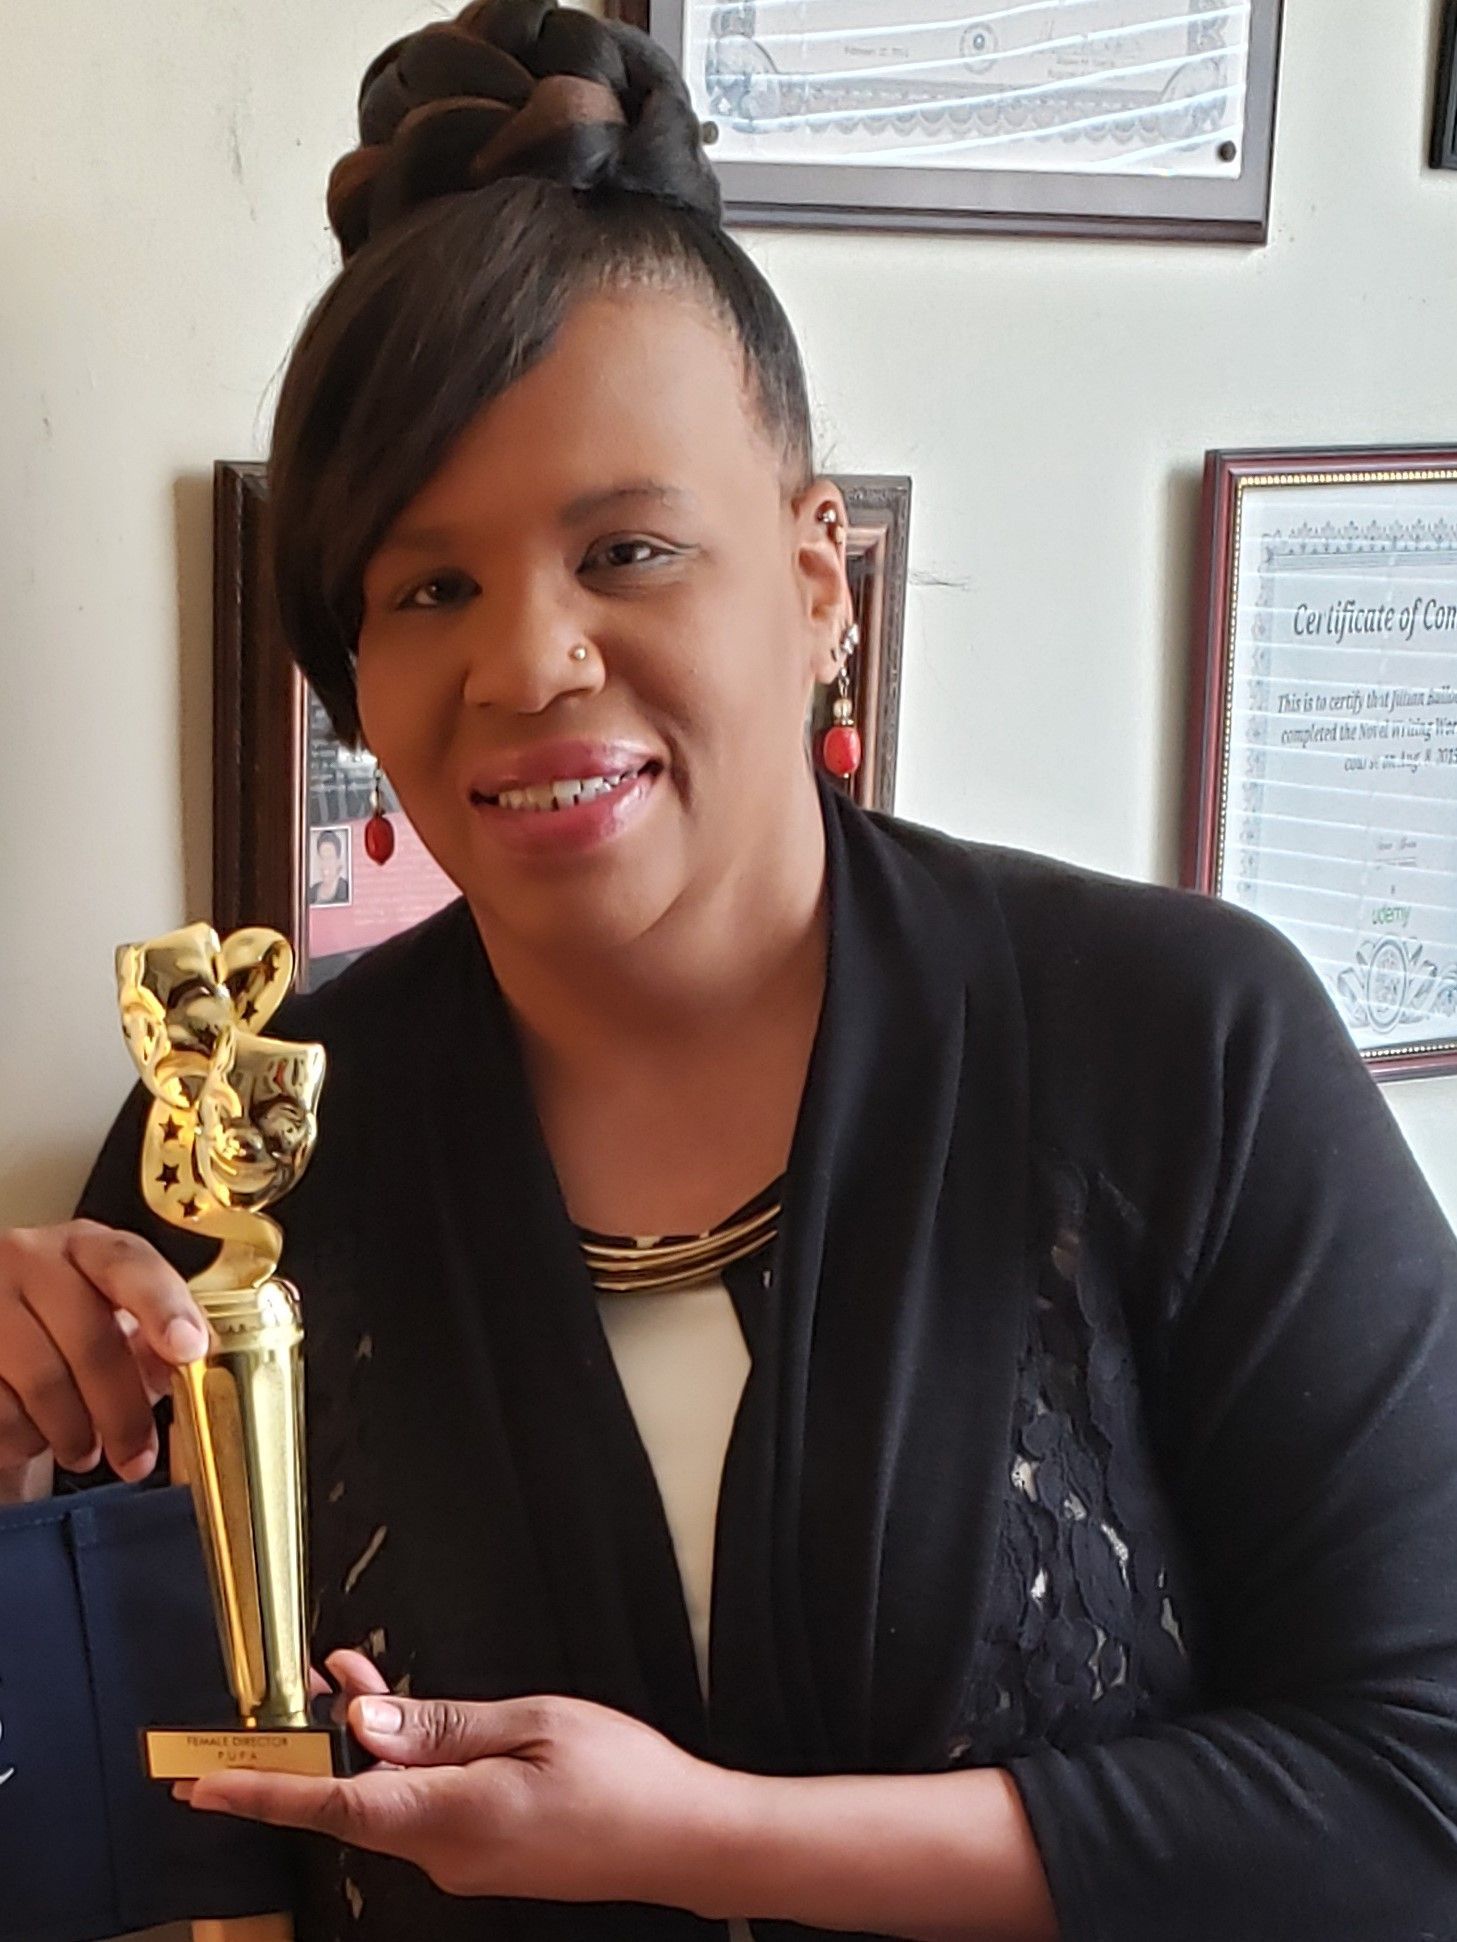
{"x":1309,"y":1353}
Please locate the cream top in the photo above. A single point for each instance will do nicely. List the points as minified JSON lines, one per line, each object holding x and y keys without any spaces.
{"x":683,"y":1362}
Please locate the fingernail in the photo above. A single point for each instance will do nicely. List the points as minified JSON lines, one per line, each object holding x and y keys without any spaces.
{"x":137,"y":1467}
{"x":381,"y":1716}
{"x":186,"y":1340}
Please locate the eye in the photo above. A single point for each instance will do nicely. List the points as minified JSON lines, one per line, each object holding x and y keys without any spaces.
{"x":441,"y":590}
{"x":626,"y":553}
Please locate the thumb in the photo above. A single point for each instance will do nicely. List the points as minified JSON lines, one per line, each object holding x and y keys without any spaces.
{"x":441,"y":1732}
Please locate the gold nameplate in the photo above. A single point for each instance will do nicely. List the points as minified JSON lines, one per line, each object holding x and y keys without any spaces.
{"x":187,"y":1753}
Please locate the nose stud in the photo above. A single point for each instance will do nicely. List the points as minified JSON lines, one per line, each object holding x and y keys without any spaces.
{"x":579,"y":653}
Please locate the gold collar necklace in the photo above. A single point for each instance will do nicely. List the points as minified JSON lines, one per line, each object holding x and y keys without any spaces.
{"x":659,"y":1264}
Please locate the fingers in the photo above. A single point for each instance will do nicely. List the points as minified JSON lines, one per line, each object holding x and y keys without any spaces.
{"x":20,"y":1440}
{"x":132,"y":1275}
{"x":156,"y":1374}
{"x":94,"y":1348}
{"x":377,"y":1810}
{"x":355,"y":1673}
{"x":351,"y":1674}
{"x":92,"y":1323}
{"x":45,"y":1393}
{"x":449,"y":1732}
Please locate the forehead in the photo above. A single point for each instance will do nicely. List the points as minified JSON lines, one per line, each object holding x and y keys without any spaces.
{"x":637,"y":384}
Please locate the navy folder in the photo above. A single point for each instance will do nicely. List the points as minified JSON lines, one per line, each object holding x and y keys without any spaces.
{"x":106,"y":1627}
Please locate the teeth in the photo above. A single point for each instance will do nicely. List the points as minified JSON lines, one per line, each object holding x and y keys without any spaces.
{"x":563,"y":794}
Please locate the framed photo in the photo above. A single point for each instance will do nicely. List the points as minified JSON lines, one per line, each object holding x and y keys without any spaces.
{"x":330,"y":865}
{"x":290,"y":802}
{"x":1322,"y":775}
{"x":1146,"y":118}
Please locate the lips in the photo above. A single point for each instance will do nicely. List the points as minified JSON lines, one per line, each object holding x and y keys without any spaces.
{"x":557,"y":775}
{"x":564,"y":799}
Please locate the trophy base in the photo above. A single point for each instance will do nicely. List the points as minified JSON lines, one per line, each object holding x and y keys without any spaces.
{"x":189,"y":1752}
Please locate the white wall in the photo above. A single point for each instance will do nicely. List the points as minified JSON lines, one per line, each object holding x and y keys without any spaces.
{"x":161,"y":231}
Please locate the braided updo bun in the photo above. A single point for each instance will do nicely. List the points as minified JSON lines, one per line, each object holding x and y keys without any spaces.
{"x":511,"y":162}
{"x":513,"y":88}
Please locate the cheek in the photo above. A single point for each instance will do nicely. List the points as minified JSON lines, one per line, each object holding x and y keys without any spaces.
{"x":712,"y":698}
{"x":747,"y":667}
{"x":399,"y":710}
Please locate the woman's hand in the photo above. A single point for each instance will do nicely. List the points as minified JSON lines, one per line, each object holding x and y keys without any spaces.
{"x":558,"y":1800}
{"x":539,"y":1798}
{"x":353,"y":1675}
{"x":93,"y":1321}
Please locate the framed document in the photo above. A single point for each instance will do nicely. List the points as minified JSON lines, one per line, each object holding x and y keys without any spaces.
{"x":1116,"y":117}
{"x":290,"y":801}
{"x":1323,"y":728}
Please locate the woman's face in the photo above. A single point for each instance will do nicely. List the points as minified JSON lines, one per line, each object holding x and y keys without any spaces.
{"x":620,"y":500}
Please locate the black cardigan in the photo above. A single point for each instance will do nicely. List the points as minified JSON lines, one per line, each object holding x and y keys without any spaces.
{"x":1102,"y":1421}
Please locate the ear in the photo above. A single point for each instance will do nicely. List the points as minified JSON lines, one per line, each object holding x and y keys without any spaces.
{"x":819,"y":564}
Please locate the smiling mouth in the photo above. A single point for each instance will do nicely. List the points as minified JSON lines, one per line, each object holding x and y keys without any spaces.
{"x":566,"y":792}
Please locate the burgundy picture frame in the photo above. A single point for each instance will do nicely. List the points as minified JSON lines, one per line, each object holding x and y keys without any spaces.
{"x":261,"y":702}
{"x":1212,"y":673}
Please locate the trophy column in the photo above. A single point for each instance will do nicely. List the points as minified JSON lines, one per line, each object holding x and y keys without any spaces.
{"x":231,"y":1129}
{"x":239,"y":1422}
{"x":242,"y":1928}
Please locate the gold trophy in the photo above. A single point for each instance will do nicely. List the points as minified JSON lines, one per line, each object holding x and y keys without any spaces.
{"x":231,"y":1128}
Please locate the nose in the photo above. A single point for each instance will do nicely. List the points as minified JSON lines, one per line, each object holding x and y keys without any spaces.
{"x":519,"y":651}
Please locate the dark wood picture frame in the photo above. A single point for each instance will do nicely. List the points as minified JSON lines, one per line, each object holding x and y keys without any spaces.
{"x":1028,"y":202}
{"x":1214,"y":673}
{"x":261,"y":705}
{"x":259,"y":723}
{"x":1444,"y":111}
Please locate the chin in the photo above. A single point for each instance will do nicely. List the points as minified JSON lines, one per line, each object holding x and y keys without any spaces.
{"x":567,"y":920}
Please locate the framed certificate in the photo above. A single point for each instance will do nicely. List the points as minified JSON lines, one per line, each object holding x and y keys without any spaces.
{"x":1323,"y":727}
{"x":290,"y":801}
{"x":1147,"y":118}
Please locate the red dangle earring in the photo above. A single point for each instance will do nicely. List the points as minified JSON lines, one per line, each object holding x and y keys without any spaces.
{"x":840,"y":748}
{"x":379,"y":831}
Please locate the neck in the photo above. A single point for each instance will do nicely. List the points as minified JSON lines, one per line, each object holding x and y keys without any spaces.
{"x":751,"y":941}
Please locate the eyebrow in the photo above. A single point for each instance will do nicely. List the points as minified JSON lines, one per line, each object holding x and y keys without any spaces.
{"x":429,"y":539}
{"x":592,"y":502}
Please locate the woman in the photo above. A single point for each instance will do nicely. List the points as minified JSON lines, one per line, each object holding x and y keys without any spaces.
{"x":330,"y":886}
{"x":1089,"y":1382}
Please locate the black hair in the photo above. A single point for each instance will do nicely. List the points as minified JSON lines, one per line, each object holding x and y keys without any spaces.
{"x":512,"y":161}
{"x":329,"y":836}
